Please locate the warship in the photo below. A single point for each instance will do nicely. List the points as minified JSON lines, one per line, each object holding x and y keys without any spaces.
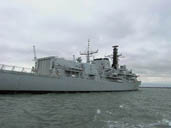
{"x":55,"y":74}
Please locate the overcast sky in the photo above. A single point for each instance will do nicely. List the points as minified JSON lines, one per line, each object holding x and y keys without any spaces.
{"x":142,"y":29}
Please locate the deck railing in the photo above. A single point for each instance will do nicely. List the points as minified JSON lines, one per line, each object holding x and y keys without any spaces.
{"x":15,"y":68}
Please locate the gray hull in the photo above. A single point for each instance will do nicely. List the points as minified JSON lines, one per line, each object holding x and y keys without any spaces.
{"x":18,"y":81}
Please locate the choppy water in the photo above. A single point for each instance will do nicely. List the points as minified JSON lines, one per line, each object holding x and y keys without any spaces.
{"x":147,"y":108}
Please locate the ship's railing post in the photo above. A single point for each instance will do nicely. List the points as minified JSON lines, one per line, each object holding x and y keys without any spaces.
{"x":2,"y":67}
{"x":22,"y":69}
{"x":13,"y":68}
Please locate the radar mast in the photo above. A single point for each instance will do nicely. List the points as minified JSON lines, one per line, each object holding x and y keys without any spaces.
{"x":88,"y":53}
{"x":115,"y":57}
{"x":34,"y":52}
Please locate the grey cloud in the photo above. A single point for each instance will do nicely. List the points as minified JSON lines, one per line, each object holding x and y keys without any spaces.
{"x":141,"y":28}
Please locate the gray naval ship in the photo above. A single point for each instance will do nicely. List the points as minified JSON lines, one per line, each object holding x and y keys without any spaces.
{"x":54,"y":74}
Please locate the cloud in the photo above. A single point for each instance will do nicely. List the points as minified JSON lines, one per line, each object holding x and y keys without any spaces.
{"x":62,"y":28}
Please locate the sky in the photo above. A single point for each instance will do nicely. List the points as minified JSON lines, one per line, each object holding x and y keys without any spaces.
{"x":141,"y":28}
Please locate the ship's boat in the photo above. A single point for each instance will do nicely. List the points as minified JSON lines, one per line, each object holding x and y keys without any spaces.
{"x":54,"y":74}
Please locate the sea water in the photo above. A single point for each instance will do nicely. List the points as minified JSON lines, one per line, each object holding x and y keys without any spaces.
{"x":146,"y":108}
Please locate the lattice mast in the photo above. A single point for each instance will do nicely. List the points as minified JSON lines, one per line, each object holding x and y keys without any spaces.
{"x":88,"y":53}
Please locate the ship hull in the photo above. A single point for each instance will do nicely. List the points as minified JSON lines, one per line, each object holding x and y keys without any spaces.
{"x":24,"y":82}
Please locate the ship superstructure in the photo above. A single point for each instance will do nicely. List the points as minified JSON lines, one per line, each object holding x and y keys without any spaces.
{"x":58,"y":74}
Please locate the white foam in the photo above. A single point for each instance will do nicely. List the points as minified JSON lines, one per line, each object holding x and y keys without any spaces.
{"x":121,"y":106}
{"x":169,"y":123}
{"x":111,"y":126}
{"x":166,"y":121}
{"x":98,"y":111}
{"x":109,"y":112}
{"x":110,"y":121}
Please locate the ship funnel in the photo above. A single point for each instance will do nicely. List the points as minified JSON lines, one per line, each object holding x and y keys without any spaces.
{"x":115,"y":57}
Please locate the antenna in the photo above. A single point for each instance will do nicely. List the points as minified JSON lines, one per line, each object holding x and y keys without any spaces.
{"x":88,"y":53}
{"x":34,"y":51}
{"x":74,"y":58}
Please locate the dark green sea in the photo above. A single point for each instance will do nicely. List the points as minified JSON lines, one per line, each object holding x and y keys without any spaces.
{"x":146,"y":108}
